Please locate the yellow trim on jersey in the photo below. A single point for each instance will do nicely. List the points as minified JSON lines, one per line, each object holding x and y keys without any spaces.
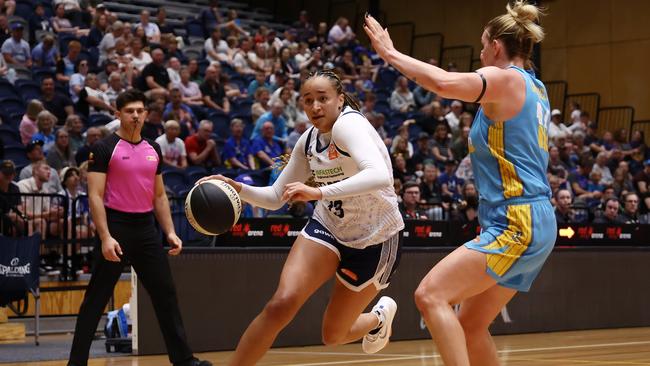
{"x":542,"y":137}
{"x":512,"y":185}
{"x":516,"y":238}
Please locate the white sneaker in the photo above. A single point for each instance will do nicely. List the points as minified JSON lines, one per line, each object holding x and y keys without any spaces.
{"x":386,"y":309}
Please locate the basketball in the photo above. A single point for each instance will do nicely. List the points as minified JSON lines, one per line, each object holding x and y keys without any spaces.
{"x":212,"y":207}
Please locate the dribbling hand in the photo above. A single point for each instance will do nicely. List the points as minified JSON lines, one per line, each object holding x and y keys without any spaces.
{"x":300,"y":192}
{"x":111,"y":250}
{"x":378,"y":36}
{"x":175,"y":243}
{"x":236,"y":185}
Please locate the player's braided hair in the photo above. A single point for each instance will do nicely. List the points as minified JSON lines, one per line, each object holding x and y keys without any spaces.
{"x":338,"y":86}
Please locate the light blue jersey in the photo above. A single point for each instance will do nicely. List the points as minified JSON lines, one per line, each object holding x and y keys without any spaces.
{"x":509,"y":158}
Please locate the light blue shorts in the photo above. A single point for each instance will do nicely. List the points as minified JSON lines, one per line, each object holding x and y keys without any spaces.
{"x":516,"y":238}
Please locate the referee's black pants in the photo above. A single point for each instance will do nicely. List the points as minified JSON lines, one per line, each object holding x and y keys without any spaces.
{"x":142,"y":248}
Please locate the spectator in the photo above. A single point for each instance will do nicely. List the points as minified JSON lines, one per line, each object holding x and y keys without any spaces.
{"x":174,"y":70}
{"x":28,"y":123}
{"x":214,"y":94}
{"x":245,"y":61}
{"x":93,"y":100}
{"x":401,"y":170}
{"x":622,"y":183}
{"x":610,"y":215}
{"x":151,"y":30}
{"x":72,"y":191}
{"x":450,"y":183}
{"x":466,"y":211}
{"x":161,"y":21}
{"x":154,"y":77}
{"x":12,"y":221}
{"x":98,"y":30}
{"x":93,"y":134}
{"x":139,"y":58}
{"x":195,"y":73}
{"x":171,"y":147}
{"x":153,"y":125}
{"x":110,"y":67}
{"x":45,"y":122}
{"x":41,"y":213}
{"x":422,"y":155}
{"x":637,"y":150}
{"x":433,"y":115}
{"x":290,"y":113}
{"x":580,"y":179}
{"x":74,"y":126}
{"x":642,"y":182}
{"x":265,"y":147}
{"x":410,"y":206}
{"x":581,"y":123}
{"x":305,"y":31}
{"x":34,"y":152}
{"x":190,"y":90}
{"x":274,"y":116}
{"x":62,"y":25}
{"x":321,"y":36}
{"x":107,"y":44}
{"x":210,"y":17}
{"x":556,"y":126}
{"x":67,"y":66}
{"x":16,"y":50}
{"x":301,"y":126}
{"x":630,"y":213}
{"x":235,"y":151}
{"x":61,"y":155}
{"x":402,"y":146}
{"x":377,"y":120}
{"x":346,"y":63}
{"x":441,"y":146}
{"x":601,"y":166}
{"x":78,"y":80}
{"x":5,"y":33}
{"x":115,"y":88}
{"x":201,"y":148}
{"x":460,"y":147}
{"x":259,"y":82}
{"x":216,"y":49}
{"x":180,"y":112}
{"x":341,"y":34}
{"x":58,"y":104}
{"x":453,"y":117}
{"x":430,"y":188}
{"x":45,"y":53}
{"x":401,"y":100}
{"x":39,"y":21}
{"x":563,"y":212}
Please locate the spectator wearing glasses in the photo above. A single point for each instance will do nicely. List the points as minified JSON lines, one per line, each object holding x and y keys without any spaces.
{"x":630,"y":213}
{"x":410,"y":206}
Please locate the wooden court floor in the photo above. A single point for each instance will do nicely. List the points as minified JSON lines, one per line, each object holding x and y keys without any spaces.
{"x":596,"y":347}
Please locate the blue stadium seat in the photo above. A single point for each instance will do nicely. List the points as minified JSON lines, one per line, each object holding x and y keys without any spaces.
{"x":29,"y":90}
{"x":194,"y":29}
{"x":24,"y":9}
{"x":7,"y":90}
{"x":39,"y":74}
{"x":221,"y":124}
{"x":12,"y":105}
{"x":16,"y":154}
{"x":383,"y":107}
{"x":194,"y":169}
{"x":386,"y":78}
{"x":194,"y":176}
{"x":173,"y":179}
{"x":9,"y":136}
{"x":98,"y":120}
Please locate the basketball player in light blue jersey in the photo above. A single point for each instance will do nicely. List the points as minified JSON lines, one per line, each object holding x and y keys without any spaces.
{"x":509,"y":151}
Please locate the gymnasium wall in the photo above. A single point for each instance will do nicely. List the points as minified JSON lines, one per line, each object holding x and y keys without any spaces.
{"x":598,"y":46}
{"x":221,"y":290}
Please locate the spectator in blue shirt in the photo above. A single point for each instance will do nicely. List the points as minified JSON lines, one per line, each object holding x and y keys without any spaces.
{"x":45,"y":122}
{"x":260,"y":80}
{"x":451,"y":185}
{"x":236,"y":148}
{"x":265,"y":147}
{"x":45,"y":54}
{"x":16,"y":50}
{"x":274,"y":116}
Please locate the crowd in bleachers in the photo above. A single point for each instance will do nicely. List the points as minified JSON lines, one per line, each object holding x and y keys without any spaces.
{"x":223,"y":98}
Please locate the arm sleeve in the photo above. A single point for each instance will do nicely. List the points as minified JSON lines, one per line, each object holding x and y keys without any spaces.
{"x":352,"y":136}
{"x":297,"y":170}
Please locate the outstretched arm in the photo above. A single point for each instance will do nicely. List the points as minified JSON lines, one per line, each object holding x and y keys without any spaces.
{"x":466,"y":86}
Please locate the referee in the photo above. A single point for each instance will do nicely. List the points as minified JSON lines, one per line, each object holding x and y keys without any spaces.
{"x":125,"y":191}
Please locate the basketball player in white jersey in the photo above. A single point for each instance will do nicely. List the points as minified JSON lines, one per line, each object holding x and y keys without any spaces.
{"x":355,"y":232}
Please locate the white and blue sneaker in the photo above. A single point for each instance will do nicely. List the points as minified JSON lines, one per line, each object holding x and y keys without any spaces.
{"x":378,"y":338}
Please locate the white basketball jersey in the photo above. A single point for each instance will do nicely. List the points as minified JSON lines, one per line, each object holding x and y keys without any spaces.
{"x":357,"y":221}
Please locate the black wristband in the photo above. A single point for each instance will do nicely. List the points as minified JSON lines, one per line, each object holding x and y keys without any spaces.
{"x":484,"y":87}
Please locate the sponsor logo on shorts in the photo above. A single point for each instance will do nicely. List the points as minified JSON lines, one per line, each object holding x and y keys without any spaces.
{"x":353,"y":276}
